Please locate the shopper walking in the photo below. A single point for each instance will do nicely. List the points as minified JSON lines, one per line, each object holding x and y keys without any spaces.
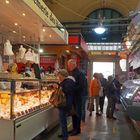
{"x":95,"y":87}
{"x":103,"y":82}
{"x":80,"y":89}
{"x":68,"y":87}
{"x":118,"y":87}
{"x":112,"y":99}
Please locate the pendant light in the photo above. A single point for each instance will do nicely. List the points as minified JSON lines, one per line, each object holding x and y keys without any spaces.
{"x":100,"y":29}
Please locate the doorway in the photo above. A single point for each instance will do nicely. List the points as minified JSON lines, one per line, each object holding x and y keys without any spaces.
{"x":106,"y":68}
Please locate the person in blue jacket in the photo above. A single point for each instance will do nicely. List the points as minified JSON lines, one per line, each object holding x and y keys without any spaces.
{"x":67,"y":83}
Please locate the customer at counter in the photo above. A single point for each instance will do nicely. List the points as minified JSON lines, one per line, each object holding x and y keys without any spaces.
{"x":79,"y":95}
{"x":68,"y":87}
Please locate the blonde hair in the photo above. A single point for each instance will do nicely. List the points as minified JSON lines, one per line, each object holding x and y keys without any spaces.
{"x":63,"y":72}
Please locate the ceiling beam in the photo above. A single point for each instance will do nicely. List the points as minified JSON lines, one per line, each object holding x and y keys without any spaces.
{"x":96,"y":20}
{"x":93,"y":26}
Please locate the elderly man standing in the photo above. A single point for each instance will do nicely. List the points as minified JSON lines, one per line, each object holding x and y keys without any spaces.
{"x":79,"y":93}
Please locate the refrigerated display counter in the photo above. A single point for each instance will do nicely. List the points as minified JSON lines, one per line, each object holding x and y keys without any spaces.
{"x":130,"y":99}
{"x":24,"y":108}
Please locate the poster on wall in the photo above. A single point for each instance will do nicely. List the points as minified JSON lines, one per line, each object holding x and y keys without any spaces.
{"x":48,"y":61}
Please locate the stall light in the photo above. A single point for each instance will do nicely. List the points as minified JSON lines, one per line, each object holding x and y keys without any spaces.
{"x":16,"y":24}
{"x":50,"y":36}
{"x":23,"y":36}
{"x":77,"y":47}
{"x":24,"y":14}
{"x":41,"y":50}
{"x":62,"y":29}
{"x":14,"y":32}
{"x":7,"y":2}
{"x":44,"y":30}
{"x":67,"y":51}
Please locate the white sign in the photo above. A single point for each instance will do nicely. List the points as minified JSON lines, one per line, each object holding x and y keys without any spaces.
{"x":40,"y":8}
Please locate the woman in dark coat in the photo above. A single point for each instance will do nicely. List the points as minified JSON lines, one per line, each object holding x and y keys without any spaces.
{"x":112,"y":99}
{"x":68,"y":87}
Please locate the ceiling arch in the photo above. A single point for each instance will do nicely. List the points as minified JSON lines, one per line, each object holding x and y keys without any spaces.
{"x":85,"y":7}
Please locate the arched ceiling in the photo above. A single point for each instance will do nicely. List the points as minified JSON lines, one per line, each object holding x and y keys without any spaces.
{"x":77,"y":10}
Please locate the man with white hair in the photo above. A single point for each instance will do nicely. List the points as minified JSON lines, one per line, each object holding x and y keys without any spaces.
{"x":81,"y":87}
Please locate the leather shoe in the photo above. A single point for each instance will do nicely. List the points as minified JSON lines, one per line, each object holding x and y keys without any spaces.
{"x":71,"y":131}
{"x":74,"y":133}
{"x":60,"y":136}
{"x":114,"y":118}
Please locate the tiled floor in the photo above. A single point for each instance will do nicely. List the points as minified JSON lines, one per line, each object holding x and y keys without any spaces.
{"x":101,"y":128}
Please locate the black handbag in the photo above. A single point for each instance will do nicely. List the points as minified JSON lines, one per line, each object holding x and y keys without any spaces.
{"x":58,"y":98}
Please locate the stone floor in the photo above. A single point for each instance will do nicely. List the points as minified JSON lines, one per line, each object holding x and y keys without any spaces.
{"x":100,"y":128}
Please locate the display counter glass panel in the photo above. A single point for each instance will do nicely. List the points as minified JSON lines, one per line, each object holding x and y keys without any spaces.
{"x":137,"y":97}
{"x":22,"y":97}
{"x":26,"y":98}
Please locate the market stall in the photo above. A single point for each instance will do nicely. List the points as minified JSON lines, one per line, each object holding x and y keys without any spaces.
{"x":24,"y":101}
{"x":56,"y":56}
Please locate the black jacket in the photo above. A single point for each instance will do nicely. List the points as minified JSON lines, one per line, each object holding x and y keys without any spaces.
{"x":68,"y":87}
{"x":111,"y":90}
{"x":81,"y":82}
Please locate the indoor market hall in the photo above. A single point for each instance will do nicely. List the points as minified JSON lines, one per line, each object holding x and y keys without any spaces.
{"x":70,"y":70}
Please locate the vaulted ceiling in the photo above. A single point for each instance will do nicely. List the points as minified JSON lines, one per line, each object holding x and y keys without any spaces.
{"x":72,"y":13}
{"x":76,"y":10}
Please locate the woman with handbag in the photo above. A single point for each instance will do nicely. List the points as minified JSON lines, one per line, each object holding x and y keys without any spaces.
{"x":68,"y":88}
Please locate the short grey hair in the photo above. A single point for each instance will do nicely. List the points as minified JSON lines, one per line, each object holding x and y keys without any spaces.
{"x":63,"y":72}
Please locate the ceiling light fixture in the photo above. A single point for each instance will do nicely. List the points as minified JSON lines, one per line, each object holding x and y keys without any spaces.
{"x":41,"y":50}
{"x":24,"y":14}
{"x":99,"y":30}
{"x":16,"y":24}
{"x":7,"y":2}
{"x":44,"y":30}
{"x":14,"y":32}
{"x":62,"y":29}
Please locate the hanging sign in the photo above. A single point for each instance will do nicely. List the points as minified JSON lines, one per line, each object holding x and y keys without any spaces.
{"x":40,"y":8}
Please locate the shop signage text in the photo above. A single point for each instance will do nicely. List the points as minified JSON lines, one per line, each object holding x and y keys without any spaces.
{"x":48,"y":13}
{"x":39,"y":7}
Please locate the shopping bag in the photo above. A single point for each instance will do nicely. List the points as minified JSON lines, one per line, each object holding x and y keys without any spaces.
{"x":90,"y":105}
{"x":58,"y":98}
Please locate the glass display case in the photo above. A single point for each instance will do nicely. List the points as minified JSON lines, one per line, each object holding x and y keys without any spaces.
{"x":46,"y":90}
{"x":24,"y":103}
{"x":130,"y":98}
{"x":22,"y":97}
